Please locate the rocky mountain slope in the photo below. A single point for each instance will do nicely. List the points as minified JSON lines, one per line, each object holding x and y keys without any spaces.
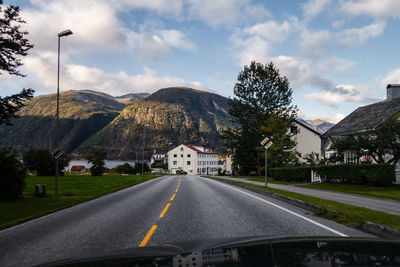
{"x":174,"y":115}
{"x":321,"y":124}
{"x":82,"y":113}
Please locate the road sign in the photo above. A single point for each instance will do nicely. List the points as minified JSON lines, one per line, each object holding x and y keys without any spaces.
{"x":266,"y":143}
{"x":57,"y":153}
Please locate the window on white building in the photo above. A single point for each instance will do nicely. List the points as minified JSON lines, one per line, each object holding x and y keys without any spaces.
{"x":188,"y":163}
{"x":175,"y":155}
{"x":175,"y":162}
{"x":181,"y":155}
{"x":188,"y":155}
{"x":350,"y":157}
{"x":181,"y":148}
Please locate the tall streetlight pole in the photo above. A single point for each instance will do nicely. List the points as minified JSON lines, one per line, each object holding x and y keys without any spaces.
{"x":144,"y":134}
{"x":61,"y":34}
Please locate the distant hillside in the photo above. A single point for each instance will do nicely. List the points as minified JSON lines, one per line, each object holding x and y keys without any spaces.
{"x":321,"y":124}
{"x":128,"y":98}
{"x":175,"y":115}
{"x":82,"y":113}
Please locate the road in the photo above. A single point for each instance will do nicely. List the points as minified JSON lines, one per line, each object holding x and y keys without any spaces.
{"x":379,"y":204}
{"x":159,"y":211}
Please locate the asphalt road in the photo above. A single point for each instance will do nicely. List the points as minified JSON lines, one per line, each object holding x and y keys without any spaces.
{"x":379,"y":204}
{"x":160,"y":211}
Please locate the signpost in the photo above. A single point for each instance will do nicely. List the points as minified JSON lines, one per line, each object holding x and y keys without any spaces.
{"x":57,"y":153}
{"x":266,"y":143}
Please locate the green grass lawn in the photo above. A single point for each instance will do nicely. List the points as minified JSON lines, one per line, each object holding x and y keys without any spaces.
{"x":390,"y":192}
{"x":339,"y":212}
{"x":72,"y":189}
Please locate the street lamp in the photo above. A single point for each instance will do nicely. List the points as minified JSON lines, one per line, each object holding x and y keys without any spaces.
{"x":61,"y":34}
{"x":144,"y":134}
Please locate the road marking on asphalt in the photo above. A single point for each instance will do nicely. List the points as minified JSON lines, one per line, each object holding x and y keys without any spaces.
{"x":165,"y":210}
{"x":147,"y":237}
{"x":289,"y":211}
{"x":154,"y":227}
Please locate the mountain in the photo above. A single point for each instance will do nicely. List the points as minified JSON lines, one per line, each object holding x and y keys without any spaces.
{"x":321,"y":124}
{"x":128,"y":98}
{"x":82,"y":113}
{"x":175,"y":115}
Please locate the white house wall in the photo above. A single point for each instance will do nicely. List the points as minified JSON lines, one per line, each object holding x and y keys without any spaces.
{"x":307,"y":141}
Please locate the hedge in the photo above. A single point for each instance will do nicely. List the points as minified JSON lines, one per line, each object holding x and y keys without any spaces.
{"x":296,"y":174}
{"x":363,"y":174}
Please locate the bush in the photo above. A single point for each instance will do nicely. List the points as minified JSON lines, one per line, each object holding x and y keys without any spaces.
{"x":43,"y":163}
{"x":97,"y":159}
{"x":138,"y":168}
{"x":12,"y":178}
{"x":371,"y":174}
{"x":295,"y":174}
{"x":125,"y":168}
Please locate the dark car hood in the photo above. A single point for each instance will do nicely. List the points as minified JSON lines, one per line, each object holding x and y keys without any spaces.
{"x":253,"y":251}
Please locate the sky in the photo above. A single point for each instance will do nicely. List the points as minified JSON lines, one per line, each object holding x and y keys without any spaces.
{"x":338,"y":55}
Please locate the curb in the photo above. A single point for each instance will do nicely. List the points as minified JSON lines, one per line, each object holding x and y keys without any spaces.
{"x":369,"y":227}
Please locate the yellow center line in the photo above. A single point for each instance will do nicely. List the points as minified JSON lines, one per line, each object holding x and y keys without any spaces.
{"x":147,"y":237}
{"x":165,"y":210}
{"x":172,"y":198}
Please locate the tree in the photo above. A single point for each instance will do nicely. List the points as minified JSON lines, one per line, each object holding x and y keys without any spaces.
{"x":125,"y":168}
{"x":97,"y":159}
{"x":312,"y":158}
{"x":138,"y":168}
{"x":261,"y":107}
{"x":13,"y":46}
{"x":381,"y":144}
{"x":13,"y":173}
{"x":42,"y":162}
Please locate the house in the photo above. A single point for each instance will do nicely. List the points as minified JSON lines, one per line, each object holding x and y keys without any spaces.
{"x":193,"y":160}
{"x":78,"y":168}
{"x":229,"y":162}
{"x":307,"y":137}
{"x":365,"y":118}
{"x":159,"y":158}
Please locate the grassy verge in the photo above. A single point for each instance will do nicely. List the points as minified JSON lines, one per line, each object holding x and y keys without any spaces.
{"x":272,"y":181}
{"x":72,"y":189}
{"x":392,"y":192}
{"x":342,"y":213}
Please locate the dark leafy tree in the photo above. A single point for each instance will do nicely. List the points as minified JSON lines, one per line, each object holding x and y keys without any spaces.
{"x":97,"y":159}
{"x":312,"y":158}
{"x":125,"y":168}
{"x":41,"y":162}
{"x":12,"y":178}
{"x":138,"y":168}
{"x":382,"y":144}
{"x":13,"y":46}
{"x":261,"y":107}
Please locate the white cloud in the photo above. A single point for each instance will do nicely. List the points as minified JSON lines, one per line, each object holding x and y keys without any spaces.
{"x":177,"y":39}
{"x":332,"y":118}
{"x":300,"y":72}
{"x":342,"y":93}
{"x":334,"y":64}
{"x":96,"y":27}
{"x":314,"y":7}
{"x":77,"y":77}
{"x":377,"y":9}
{"x":256,"y":42}
{"x":357,"y":36}
{"x":225,"y":12}
{"x":314,"y":44}
{"x":392,"y":77}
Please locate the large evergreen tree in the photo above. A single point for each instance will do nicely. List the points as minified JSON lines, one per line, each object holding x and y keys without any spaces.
{"x":13,"y":46}
{"x":261,"y":107}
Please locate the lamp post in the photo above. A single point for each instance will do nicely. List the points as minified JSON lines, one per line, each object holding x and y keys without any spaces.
{"x":61,"y":34}
{"x":144,"y":137}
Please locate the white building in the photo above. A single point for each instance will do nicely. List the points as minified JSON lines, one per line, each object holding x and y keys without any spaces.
{"x":307,"y":137}
{"x":159,"y":158}
{"x":193,"y":160}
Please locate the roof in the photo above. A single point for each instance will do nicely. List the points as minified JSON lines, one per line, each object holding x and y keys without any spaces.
{"x":312,"y":128}
{"x":199,"y":151}
{"x":366,"y":118}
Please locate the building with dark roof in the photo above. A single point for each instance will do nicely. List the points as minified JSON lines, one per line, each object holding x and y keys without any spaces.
{"x":365,"y":118}
{"x":307,"y":137}
{"x":193,"y":160}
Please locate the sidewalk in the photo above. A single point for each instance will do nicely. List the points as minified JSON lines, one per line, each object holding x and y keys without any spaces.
{"x":385,"y":205}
